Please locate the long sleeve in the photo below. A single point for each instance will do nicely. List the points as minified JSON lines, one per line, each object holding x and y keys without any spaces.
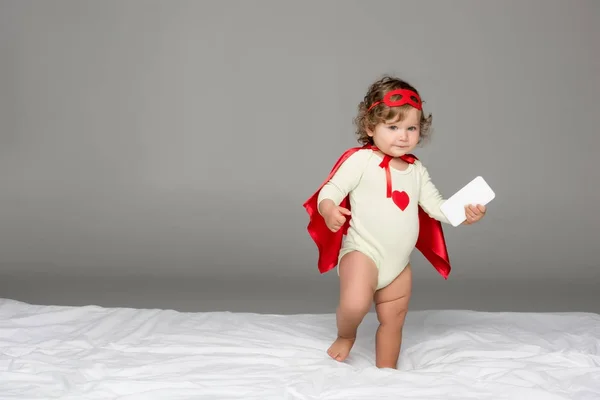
{"x":345,"y":178}
{"x":430,"y":198}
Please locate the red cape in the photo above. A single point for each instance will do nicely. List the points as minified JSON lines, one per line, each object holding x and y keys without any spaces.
{"x":430,"y":243}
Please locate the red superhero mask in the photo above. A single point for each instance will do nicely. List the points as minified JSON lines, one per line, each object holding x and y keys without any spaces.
{"x":406,"y":97}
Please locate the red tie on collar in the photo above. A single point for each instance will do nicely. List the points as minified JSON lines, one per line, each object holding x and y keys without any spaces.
{"x":385,"y":163}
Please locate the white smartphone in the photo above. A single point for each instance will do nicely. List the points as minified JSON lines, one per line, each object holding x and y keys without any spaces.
{"x":475,"y":192}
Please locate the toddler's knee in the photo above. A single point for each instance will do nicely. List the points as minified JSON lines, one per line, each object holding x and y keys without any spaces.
{"x":355,"y":306}
{"x":393,"y":317}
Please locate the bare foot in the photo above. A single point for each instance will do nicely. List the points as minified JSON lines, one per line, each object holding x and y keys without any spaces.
{"x":340,"y":349}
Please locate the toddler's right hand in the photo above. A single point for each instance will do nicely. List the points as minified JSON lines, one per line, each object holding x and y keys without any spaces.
{"x":335,"y":217}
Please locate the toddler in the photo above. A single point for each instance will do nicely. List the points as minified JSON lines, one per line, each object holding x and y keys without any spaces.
{"x":378,"y":204}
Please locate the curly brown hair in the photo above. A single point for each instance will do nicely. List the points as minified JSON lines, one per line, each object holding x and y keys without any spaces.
{"x":382,"y":113}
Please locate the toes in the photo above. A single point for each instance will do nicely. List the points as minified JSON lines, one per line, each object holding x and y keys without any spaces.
{"x":340,"y":350}
{"x":334,"y":354}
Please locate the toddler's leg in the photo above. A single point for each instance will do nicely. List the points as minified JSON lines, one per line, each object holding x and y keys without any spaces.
{"x":391,"y":304}
{"x":358,"y":280}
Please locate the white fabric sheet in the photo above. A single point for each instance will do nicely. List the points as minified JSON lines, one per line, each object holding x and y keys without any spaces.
{"x":51,"y":352}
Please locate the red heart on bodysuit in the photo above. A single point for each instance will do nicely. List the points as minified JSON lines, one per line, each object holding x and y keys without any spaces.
{"x":400,"y":199}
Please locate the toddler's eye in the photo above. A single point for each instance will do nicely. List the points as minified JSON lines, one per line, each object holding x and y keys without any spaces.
{"x":412,"y":128}
{"x":393,"y":127}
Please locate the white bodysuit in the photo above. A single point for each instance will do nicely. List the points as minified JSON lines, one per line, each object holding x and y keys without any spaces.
{"x":378,"y":227}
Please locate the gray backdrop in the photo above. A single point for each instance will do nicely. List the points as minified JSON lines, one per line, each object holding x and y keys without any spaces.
{"x":157,"y":153}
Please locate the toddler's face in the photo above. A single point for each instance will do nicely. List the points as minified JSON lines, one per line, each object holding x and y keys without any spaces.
{"x":397,"y":138}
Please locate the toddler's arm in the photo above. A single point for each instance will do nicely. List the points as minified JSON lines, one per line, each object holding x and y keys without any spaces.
{"x":430,"y":199}
{"x":345,"y":178}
